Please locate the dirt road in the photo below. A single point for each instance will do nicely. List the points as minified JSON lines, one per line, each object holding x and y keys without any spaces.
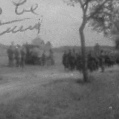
{"x":20,"y":82}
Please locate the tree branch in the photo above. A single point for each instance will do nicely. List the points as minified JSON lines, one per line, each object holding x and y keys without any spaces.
{"x":97,"y":10}
{"x":81,"y":3}
{"x":86,"y":5}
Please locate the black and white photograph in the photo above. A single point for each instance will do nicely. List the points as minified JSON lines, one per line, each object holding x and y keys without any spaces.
{"x":59,"y":59}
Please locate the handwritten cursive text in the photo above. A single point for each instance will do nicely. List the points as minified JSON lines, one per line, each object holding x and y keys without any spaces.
{"x":32,"y":9}
{"x":22,"y":29}
{"x":15,"y":28}
{"x":13,"y":21}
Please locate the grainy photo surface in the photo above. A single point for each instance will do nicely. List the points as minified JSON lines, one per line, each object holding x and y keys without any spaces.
{"x":59,"y":59}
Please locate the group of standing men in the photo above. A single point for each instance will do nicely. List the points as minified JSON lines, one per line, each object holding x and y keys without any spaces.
{"x":16,"y":55}
{"x":73,"y":61}
{"x":69,"y":59}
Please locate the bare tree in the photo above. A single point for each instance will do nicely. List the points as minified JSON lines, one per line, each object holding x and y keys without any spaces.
{"x":97,"y":13}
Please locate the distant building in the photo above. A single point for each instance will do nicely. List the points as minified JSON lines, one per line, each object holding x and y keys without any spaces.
{"x":39,"y":42}
{"x":42,"y":46}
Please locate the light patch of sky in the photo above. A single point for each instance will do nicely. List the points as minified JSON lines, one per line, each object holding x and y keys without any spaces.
{"x":60,"y":23}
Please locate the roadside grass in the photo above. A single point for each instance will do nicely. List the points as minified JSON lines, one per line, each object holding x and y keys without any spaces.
{"x":67,"y":99}
{"x":50,"y":101}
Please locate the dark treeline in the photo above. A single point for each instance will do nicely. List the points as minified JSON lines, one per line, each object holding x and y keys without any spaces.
{"x":78,"y":48}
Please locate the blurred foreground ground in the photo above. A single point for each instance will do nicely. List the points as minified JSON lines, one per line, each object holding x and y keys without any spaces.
{"x":51,"y":93}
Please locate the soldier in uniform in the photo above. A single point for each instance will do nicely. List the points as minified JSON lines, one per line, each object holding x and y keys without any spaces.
{"x":78,"y":62}
{"x":10,"y":52}
{"x":51,"y":57}
{"x":9,"y":55}
{"x":64,"y":60}
{"x":73,"y":54}
{"x":102,"y":60}
{"x":43,"y":58}
{"x":17,"y":55}
{"x":92,"y":62}
{"x":23,"y":56}
{"x":69,"y":60}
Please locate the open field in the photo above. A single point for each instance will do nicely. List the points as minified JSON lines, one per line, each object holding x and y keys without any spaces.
{"x":52,"y":93}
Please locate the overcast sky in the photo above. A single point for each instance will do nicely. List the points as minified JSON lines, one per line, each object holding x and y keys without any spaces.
{"x":60,"y":23}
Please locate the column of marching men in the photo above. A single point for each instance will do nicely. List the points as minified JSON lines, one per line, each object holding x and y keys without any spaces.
{"x":73,"y":60}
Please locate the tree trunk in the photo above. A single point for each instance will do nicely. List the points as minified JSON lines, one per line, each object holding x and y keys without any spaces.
{"x":83,"y":51}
